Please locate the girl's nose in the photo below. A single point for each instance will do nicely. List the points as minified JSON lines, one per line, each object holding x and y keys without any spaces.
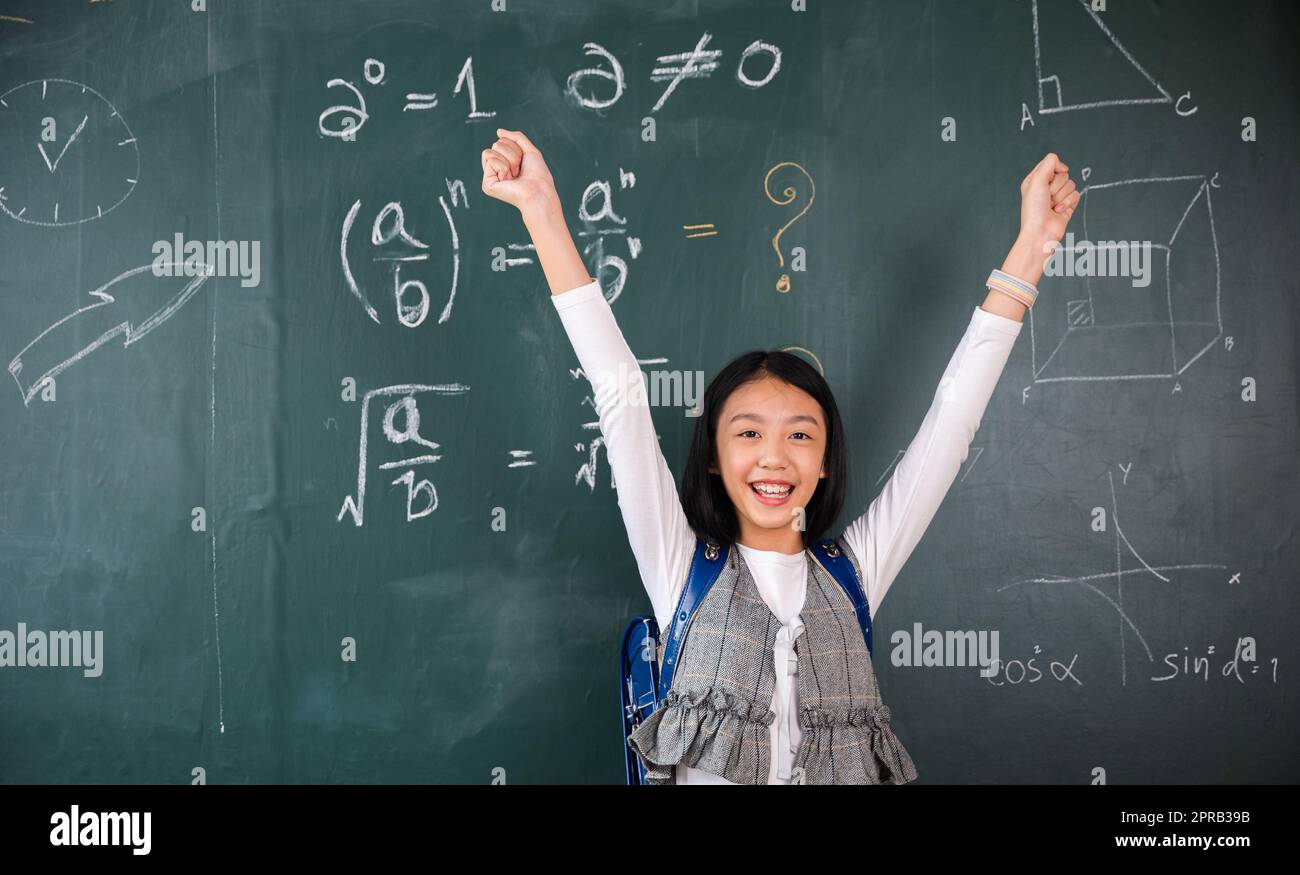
{"x":773,"y":457}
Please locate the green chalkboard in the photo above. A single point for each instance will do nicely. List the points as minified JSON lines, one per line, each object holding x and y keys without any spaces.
{"x":344,"y":517}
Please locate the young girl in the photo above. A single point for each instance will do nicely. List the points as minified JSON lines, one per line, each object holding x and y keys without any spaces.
{"x":773,"y":682}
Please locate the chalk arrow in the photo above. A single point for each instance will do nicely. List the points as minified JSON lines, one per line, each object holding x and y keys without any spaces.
{"x":52,"y":343}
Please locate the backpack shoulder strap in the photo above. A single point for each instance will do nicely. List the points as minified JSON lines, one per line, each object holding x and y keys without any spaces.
{"x":834,"y":560}
{"x":705,"y":568}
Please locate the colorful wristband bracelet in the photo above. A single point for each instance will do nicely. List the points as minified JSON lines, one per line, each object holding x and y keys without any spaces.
{"x":1013,"y":287}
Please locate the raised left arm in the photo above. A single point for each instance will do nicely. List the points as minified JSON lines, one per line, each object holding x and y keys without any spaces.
{"x":884,"y":537}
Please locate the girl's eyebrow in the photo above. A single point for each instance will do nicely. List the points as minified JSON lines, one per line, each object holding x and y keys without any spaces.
{"x":802,"y":417}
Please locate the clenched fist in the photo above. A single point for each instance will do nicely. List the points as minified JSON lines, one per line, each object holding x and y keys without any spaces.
{"x":515,"y":172}
{"x":1047,"y":201}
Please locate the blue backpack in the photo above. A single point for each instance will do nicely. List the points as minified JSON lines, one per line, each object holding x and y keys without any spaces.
{"x":643,"y":683}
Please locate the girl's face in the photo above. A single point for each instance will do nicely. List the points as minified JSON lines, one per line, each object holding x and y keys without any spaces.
{"x":771,"y":445}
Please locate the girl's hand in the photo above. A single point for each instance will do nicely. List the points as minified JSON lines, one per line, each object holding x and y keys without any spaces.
{"x":1047,"y":201}
{"x":515,"y":172}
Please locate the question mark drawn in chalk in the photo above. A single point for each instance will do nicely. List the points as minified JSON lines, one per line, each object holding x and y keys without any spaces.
{"x":783,"y":284}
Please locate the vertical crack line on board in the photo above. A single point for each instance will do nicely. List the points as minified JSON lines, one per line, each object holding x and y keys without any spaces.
{"x":212,"y":398}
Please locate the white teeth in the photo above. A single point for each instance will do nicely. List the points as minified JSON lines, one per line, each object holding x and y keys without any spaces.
{"x":773,"y":491}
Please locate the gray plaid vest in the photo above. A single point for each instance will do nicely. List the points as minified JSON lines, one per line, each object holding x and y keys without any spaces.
{"x":717,"y":715}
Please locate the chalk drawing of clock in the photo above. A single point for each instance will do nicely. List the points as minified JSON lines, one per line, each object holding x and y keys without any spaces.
{"x":69,"y":156}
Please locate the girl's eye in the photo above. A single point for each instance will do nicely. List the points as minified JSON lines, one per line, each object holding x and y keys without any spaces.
{"x":751,"y":431}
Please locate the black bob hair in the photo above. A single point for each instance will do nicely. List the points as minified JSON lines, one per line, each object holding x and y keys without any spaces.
{"x":708,"y":507}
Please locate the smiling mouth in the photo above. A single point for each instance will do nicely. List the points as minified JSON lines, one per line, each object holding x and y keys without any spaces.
{"x":771,"y":493}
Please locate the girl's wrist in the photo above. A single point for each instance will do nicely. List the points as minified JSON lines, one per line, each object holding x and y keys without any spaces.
{"x":1026,"y":258}
{"x":556,"y":253}
{"x":543,"y":213}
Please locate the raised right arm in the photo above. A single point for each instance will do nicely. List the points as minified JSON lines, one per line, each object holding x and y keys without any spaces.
{"x":661,"y":539}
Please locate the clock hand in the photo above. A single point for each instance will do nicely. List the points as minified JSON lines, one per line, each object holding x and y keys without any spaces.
{"x":67,"y":144}
{"x":41,"y":146}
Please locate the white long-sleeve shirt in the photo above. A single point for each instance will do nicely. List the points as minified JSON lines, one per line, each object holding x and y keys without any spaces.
{"x":882,"y":538}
